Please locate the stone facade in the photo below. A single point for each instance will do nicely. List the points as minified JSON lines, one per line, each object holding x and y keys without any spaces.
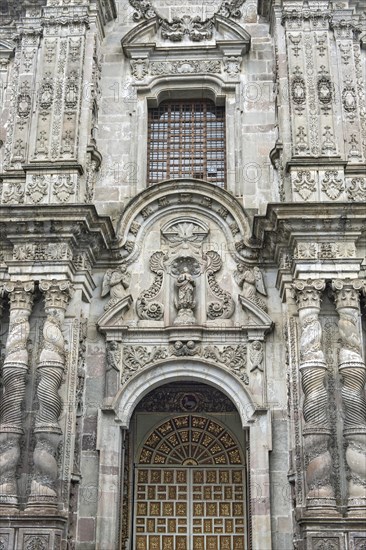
{"x":130,"y":309}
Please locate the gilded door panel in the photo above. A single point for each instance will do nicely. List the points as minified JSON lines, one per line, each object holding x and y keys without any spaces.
{"x":196,"y":500}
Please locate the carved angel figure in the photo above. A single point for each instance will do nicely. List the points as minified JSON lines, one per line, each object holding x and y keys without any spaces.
{"x":112,"y":368}
{"x":256,"y":356}
{"x":115,"y":282}
{"x":251,"y":281}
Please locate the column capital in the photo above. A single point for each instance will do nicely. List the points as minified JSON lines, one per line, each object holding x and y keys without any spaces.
{"x":347,"y":292}
{"x":20,"y":294}
{"x":308,"y":293}
{"x":56,"y":293}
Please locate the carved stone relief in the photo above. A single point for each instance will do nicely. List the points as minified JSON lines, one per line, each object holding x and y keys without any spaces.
{"x":353,"y":373}
{"x":251,"y":282}
{"x":316,"y":432}
{"x":146,"y":306}
{"x":44,"y":488}
{"x":14,"y":373}
{"x":115,"y":283}
{"x":138,"y":357}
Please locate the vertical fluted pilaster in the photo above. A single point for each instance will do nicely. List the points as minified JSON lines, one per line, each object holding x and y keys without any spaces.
{"x":353,"y":372}
{"x":44,"y":490}
{"x":14,"y":372}
{"x":316,"y":430}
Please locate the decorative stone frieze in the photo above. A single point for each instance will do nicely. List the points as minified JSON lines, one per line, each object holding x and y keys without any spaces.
{"x":353,"y":375}
{"x":316,"y":431}
{"x":51,"y":366}
{"x":14,"y":372}
{"x":233,"y":357}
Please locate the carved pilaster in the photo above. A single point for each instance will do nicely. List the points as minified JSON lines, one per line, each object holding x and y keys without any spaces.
{"x":14,"y":372}
{"x":353,"y":374}
{"x":50,"y":370}
{"x":316,"y":431}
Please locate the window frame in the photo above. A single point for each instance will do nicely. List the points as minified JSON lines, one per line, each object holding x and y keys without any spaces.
{"x":192,"y":112}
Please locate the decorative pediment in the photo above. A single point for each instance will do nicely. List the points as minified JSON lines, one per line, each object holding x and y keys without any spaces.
{"x":114,"y":315}
{"x":258,"y":319}
{"x":154,"y":36}
{"x":157,"y":47}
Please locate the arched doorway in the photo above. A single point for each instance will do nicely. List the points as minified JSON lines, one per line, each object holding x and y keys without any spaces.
{"x":189,"y":479}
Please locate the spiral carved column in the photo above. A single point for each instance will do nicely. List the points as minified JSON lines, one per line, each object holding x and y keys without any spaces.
{"x":353,"y":372}
{"x":316,"y":431}
{"x":14,"y":373}
{"x":44,"y":488}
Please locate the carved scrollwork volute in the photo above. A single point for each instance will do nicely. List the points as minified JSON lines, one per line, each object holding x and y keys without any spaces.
{"x":50,"y":369}
{"x":147,"y":307}
{"x":224,"y":306}
{"x":14,"y":371}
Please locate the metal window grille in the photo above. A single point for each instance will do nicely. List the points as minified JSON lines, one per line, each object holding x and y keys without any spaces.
{"x":186,"y":139}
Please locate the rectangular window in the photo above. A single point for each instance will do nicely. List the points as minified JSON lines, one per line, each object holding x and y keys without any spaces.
{"x":186,"y":139}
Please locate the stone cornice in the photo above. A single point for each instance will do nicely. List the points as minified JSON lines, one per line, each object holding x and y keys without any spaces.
{"x":68,"y":239}
{"x":313,"y":238}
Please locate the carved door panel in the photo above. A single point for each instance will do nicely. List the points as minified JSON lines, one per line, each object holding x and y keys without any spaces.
{"x":189,"y":509}
{"x":189,"y":488}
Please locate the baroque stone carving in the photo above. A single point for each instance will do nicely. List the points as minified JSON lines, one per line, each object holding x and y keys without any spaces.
{"x":185,"y":67}
{"x":192,"y":27}
{"x":325,"y":91}
{"x":63,"y":187}
{"x":51,"y":366}
{"x":318,"y":462}
{"x":232,"y":65}
{"x":332,"y":184}
{"x":146,"y":306}
{"x":37,"y":188}
{"x":353,"y":372}
{"x":233,"y":357}
{"x":14,"y":371}
{"x":183,"y":399}
{"x":356,"y":190}
{"x":185,"y":302}
{"x":256,"y":356}
{"x":298,"y":91}
{"x":250,"y":279}
{"x":304,"y":184}
{"x":225,"y":307}
{"x":139,"y":68}
{"x":115,"y":283}
{"x":112,"y":375}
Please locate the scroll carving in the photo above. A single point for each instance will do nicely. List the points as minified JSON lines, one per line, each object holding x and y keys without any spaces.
{"x":14,"y":372}
{"x":225,"y":306}
{"x":50,"y":370}
{"x":146,"y":306}
{"x":318,"y":461}
{"x":353,"y":373}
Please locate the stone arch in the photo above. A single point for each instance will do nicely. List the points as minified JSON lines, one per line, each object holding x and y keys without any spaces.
{"x":192,"y":370}
{"x":160,"y":199}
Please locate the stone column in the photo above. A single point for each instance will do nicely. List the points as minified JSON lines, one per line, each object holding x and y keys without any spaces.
{"x":15,"y":369}
{"x":316,"y":431}
{"x":353,"y":375}
{"x":44,"y":488}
